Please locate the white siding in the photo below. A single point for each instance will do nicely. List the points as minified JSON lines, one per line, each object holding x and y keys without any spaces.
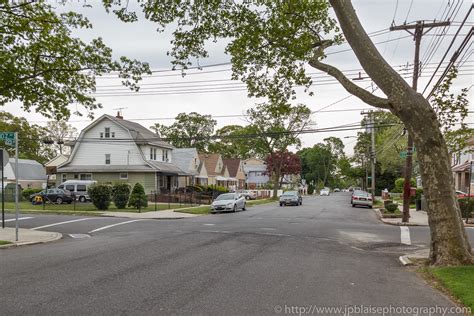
{"x":92,"y":152}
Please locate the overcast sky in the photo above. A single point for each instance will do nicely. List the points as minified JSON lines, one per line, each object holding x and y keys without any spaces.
{"x":141,"y":41}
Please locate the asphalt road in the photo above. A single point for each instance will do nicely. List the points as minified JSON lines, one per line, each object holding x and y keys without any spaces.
{"x":267,"y":260}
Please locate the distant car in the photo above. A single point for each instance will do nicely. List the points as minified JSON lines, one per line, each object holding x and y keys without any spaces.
{"x":337,"y":190}
{"x":463,"y":195}
{"x":57,"y":196}
{"x":248,"y":195}
{"x":291,"y":198}
{"x":228,"y":202}
{"x":362,"y":198}
{"x":324,"y":192}
{"x":78,"y":188}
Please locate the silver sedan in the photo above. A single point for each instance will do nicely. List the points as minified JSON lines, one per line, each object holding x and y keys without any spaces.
{"x":228,"y":202}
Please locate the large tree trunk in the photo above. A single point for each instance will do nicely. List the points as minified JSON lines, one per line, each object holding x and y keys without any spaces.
{"x":449,"y":242}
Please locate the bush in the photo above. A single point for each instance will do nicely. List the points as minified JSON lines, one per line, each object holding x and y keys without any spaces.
{"x":138,"y":197}
{"x":466,"y":207}
{"x":100,"y":195}
{"x":310,"y":189}
{"x":386,"y":202}
{"x":391,"y":207}
{"x":27,"y":192}
{"x":399,"y":185}
{"x":217,"y":188}
{"x":120,"y":194}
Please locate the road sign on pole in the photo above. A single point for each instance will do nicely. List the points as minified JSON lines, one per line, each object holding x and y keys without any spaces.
{"x":403,"y":154}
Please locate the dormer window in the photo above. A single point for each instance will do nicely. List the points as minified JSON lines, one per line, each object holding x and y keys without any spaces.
{"x":152,"y":153}
{"x":107,"y":132}
{"x":164,"y":155}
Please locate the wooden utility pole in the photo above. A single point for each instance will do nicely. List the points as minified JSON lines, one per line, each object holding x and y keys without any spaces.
{"x":371,"y":125}
{"x":419,"y":31}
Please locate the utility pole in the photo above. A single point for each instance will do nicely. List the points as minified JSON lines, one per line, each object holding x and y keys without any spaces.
{"x":371,"y":125}
{"x":419,"y":31}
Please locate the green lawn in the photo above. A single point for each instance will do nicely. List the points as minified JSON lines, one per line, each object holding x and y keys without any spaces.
{"x":260,"y":202}
{"x":206,"y":209}
{"x":459,"y":281}
{"x":4,"y":242}
{"x":80,"y":208}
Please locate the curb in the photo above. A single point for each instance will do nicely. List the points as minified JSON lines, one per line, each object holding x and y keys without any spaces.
{"x":380,"y":217}
{"x":405,"y":261}
{"x":56,"y":237}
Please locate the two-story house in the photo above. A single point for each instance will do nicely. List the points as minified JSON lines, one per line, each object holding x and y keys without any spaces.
{"x":461,"y":164}
{"x":112,"y":149}
{"x":236,"y":171}
{"x":187,"y":159}
{"x":256,"y":175}
{"x":217,"y":171}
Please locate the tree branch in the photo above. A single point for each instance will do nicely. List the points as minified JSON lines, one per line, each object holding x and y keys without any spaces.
{"x":350,"y":87}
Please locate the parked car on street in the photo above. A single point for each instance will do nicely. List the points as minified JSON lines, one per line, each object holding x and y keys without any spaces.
{"x":291,"y":198}
{"x":228,"y":202}
{"x":57,"y":196}
{"x":324,"y":192}
{"x":363,"y":198}
{"x":463,"y":195}
{"x":337,"y":190}
{"x":248,"y":195}
{"x":78,"y":188}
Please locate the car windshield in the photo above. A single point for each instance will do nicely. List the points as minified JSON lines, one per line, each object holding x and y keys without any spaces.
{"x":361,"y":193}
{"x":228,"y":196}
{"x":290,"y":193}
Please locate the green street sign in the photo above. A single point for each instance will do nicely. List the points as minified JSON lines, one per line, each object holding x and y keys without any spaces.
{"x":8,"y":137}
{"x":403,"y":154}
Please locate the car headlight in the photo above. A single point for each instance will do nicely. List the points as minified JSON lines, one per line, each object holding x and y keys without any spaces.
{"x":229,"y":204}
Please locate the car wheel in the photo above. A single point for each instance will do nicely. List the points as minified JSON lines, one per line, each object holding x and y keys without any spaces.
{"x":82,"y":199}
{"x":353,"y":205}
{"x":244,"y":208}
{"x":370,"y":206}
{"x":235,"y":208}
{"x":247,"y":197}
{"x":281,"y":204}
{"x":59,"y":200}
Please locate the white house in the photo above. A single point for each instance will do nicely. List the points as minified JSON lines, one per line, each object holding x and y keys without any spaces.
{"x":112,"y":149}
{"x":461,"y":163}
{"x":187,"y":159}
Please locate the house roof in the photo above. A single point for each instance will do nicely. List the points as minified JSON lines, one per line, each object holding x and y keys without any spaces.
{"x":27,"y":170}
{"x":139,"y":133}
{"x":462,"y":167}
{"x":184,"y":159}
{"x":250,"y":168}
{"x":155,"y":166}
{"x":233,"y":166}
{"x":210,"y":162}
{"x":167,"y":168}
{"x":56,"y":161}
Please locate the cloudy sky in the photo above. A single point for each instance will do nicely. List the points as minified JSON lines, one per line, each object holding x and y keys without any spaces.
{"x":210,"y":91}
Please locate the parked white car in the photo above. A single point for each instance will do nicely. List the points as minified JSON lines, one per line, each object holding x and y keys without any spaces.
{"x":228,"y":202}
{"x":324,"y":192}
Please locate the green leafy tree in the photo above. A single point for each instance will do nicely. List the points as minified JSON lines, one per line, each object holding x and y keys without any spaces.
{"x":271,"y":43}
{"x":45,"y":68}
{"x":188,"y":130}
{"x":100,"y":195}
{"x":138,"y":198}
{"x":233,"y":141}
{"x":57,"y":133}
{"x":30,"y":145}
{"x":121,"y":194}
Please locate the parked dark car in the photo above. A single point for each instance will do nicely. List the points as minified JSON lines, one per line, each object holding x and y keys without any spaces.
{"x":58,"y":196}
{"x":291,"y":198}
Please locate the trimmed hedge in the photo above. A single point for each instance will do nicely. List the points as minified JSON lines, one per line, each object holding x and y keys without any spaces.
{"x":100,"y":195}
{"x":391,"y":207}
{"x":466,"y":206}
{"x":121,"y":194}
{"x":27,"y":192}
{"x":138,"y":198}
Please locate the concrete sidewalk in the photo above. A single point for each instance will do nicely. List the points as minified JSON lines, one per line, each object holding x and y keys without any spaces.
{"x":166,"y":214}
{"x":417,"y":218}
{"x":27,"y":237}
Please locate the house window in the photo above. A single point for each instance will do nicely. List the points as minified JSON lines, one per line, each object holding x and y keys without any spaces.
{"x":63,"y":177}
{"x":76,"y":176}
{"x":101,"y":135}
{"x":107,"y":159}
{"x":113,"y":134}
{"x":123,"y":175}
{"x":107,"y":132}
{"x":164,"y":156}
{"x":152,"y":153}
{"x":85,"y":176}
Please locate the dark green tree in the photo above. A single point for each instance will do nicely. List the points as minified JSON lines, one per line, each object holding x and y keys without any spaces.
{"x":188,"y":130}
{"x":100,"y":195}
{"x":45,"y":68}
{"x":138,"y":198}
{"x":233,"y":141}
{"x":120,"y":194}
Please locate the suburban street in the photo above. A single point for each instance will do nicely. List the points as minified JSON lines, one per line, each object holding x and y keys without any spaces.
{"x":265,"y":260}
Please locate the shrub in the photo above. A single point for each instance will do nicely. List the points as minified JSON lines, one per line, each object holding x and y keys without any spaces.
{"x":310,"y":189}
{"x":386,"y":202}
{"x":391,"y":207}
{"x":399,"y":185}
{"x":217,"y":188}
{"x":27,"y":192}
{"x":120,"y":194}
{"x":138,"y":197}
{"x":466,"y":207}
{"x":100,"y":195}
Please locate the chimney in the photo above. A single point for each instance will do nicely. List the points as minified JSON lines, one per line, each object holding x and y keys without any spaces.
{"x":119,"y":115}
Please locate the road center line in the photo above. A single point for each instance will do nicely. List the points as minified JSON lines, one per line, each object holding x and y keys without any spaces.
{"x":405,"y":235}
{"x":20,"y":219}
{"x":61,"y":223}
{"x":113,"y":225}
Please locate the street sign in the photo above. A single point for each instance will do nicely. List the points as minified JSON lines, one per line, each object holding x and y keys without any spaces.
{"x":403,"y":154}
{"x":5,"y":155}
{"x":8,"y":137}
